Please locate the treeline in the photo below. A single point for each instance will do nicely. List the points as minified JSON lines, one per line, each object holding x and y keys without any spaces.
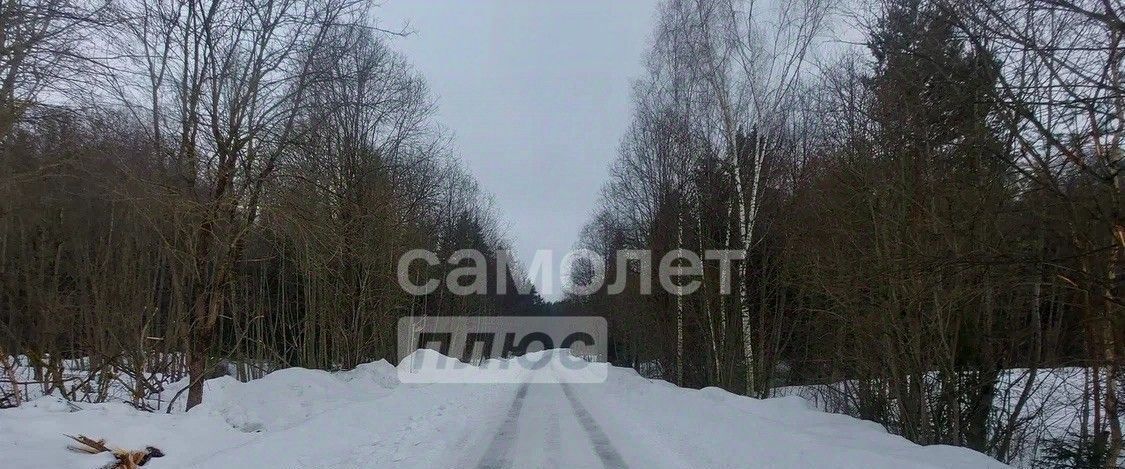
{"x":930,"y":222}
{"x":186,"y":183}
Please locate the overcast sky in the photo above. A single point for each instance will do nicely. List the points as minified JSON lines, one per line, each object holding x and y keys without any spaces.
{"x":538,"y":96}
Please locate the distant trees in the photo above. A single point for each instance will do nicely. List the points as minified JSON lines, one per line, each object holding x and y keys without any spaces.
{"x":918,"y":222}
{"x":217,"y":181}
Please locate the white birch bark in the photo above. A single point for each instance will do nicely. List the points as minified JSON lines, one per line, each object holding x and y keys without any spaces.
{"x":703,"y":297}
{"x":747,"y":215}
{"x":679,"y":300}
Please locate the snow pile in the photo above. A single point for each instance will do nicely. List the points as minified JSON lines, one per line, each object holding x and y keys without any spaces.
{"x":715,"y":428}
{"x":366,"y":417}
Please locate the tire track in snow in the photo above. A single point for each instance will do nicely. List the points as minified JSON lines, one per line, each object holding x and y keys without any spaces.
{"x":496,"y":457}
{"x":602,"y":446}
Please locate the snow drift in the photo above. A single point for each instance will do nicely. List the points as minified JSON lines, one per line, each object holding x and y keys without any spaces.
{"x":299,"y":418}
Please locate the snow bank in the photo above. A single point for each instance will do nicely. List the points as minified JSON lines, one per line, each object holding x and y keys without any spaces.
{"x":715,"y":428}
{"x":366,"y":417}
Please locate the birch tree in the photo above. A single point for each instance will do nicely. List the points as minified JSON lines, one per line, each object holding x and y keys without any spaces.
{"x":749,"y":66}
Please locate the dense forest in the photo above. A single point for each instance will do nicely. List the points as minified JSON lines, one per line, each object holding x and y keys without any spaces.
{"x":185,"y":184}
{"x":933,"y":220}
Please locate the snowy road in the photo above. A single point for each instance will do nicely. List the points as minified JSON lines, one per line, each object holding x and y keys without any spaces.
{"x":366,"y":418}
{"x":547,"y":426}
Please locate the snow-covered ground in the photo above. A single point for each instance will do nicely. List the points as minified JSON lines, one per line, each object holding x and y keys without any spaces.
{"x":298,"y":418}
{"x":1052,"y":411}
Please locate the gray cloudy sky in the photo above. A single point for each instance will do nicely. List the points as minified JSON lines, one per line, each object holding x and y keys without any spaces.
{"x":538,"y":96}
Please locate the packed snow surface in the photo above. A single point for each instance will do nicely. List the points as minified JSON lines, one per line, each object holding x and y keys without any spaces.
{"x":366,"y":417}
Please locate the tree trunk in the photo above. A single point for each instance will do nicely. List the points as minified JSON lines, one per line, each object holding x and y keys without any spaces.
{"x":197,"y":368}
{"x":747,"y":213}
{"x":679,"y":301}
